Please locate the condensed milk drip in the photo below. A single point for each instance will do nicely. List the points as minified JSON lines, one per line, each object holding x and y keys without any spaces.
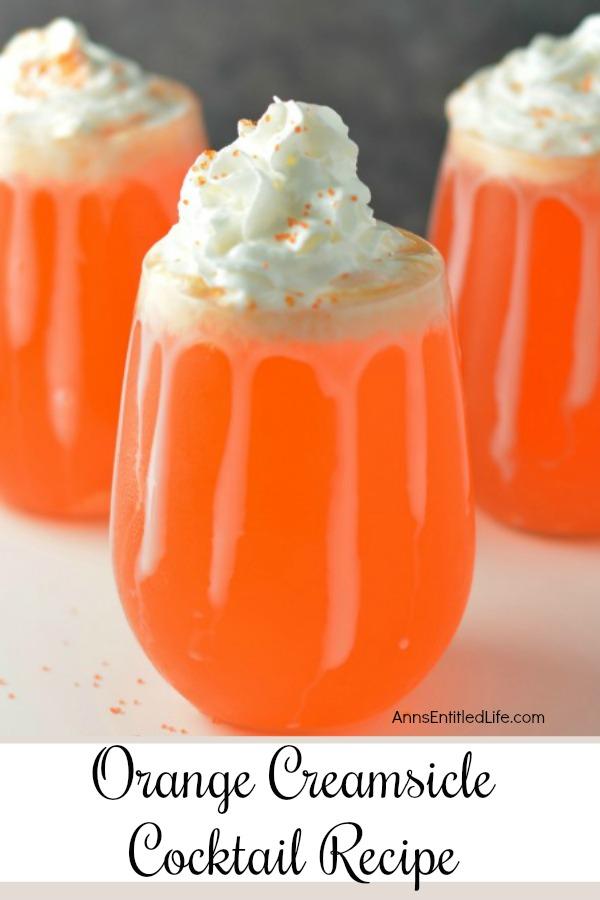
{"x":529,"y":185}
{"x":339,"y":381}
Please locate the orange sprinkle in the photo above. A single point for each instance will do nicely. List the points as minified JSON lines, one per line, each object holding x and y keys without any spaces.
{"x":307,"y":206}
{"x":236,"y":153}
{"x":210,"y":153}
{"x":328,"y":221}
{"x":12,"y":696}
{"x":267,"y":118}
{"x":200,"y":180}
{"x":586,"y":83}
{"x":3,"y":682}
{"x":265,"y":265}
{"x":354,"y":198}
{"x":276,"y":147}
{"x":122,"y":703}
{"x":319,"y":193}
{"x":248,"y":123}
{"x":298,"y":129}
{"x":317,"y":303}
{"x":186,"y":202}
{"x":296,"y":223}
{"x":140,"y":681}
{"x":251,"y":305}
{"x":183,"y":731}
{"x":333,"y":298}
{"x":137,"y":702}
{"x":116,"y":710}
{"x":46,"y":669}
{"x":285,"y":236}
{"x":330,"y":191}
{"x":289,"y":300}
{"x":541,"y":112}
{"x":98,"y":677}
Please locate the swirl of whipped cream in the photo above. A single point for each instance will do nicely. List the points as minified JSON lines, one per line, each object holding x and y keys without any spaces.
{"x":275,"y":217}
{"x":54,"y":81}
{"x":542,"y":99}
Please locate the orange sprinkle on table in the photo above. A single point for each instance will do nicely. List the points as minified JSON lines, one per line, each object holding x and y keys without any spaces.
{"x":98,"y":677}
{"x":116,"y":710}
{"x":140,"y":681}
{"x":12,"y":696}
{"x":3,"y":682}
{"x":137,"y":702}
{"x":122,"y":703}
{"x":46,"y":669}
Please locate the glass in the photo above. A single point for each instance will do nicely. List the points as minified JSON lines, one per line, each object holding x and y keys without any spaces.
{"x":292,"y":528}
{"x":76,"y":218}
{"x":521,"y":236}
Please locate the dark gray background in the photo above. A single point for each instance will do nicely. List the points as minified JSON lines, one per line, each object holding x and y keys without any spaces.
{"x":385,"y":65}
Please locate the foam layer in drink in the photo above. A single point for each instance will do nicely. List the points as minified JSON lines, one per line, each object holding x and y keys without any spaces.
{"x":352,"y":306}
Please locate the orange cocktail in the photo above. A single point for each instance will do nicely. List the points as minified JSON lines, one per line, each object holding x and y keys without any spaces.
{"x":292,"y":524}
{"x":516,"y":216}
{"x":87,"y":183}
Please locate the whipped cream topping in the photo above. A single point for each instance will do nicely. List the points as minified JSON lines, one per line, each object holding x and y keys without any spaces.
{"x":542,"y":99}
{"x":55,"y":82}
{"x":280,"y":215}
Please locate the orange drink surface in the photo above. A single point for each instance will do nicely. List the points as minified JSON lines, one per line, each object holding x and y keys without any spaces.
{"x":78,"y":211}
{"x":292,"y":527}
{"x":521,"y":237}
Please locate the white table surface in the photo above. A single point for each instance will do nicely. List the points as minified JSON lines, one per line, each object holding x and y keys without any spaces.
{"x":529,"y":642}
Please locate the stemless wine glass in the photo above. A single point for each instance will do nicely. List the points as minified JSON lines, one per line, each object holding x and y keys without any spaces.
{"x":521,"y":236}
{"x":292,"y":527}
